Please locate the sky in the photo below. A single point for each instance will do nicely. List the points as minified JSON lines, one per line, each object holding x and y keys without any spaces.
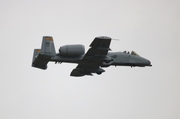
{"x":151,"y":28}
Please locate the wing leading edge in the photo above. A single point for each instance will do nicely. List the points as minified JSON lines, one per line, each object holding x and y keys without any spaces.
{"x":94,"y":57}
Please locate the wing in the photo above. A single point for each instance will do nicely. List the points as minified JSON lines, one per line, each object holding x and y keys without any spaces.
{"x":93,"y":58}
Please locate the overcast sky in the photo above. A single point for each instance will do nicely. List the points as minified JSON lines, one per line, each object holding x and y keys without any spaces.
{"x":151,"y":28}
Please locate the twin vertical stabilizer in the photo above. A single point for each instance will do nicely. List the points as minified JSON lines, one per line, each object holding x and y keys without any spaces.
{"x":42,"y":56}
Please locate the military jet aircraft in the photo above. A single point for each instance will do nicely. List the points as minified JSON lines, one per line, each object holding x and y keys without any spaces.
{"x":93,"y":61}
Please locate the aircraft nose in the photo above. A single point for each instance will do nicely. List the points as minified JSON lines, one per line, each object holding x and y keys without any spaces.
{"x":148,"y":63}
{"x":144,"y":62}
{"x":140,"y":61}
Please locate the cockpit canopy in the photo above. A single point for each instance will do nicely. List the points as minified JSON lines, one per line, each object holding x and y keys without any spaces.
{"x":134,"y":53}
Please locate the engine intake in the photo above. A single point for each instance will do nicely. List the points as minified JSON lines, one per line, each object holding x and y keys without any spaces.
{"x":72,"y":50}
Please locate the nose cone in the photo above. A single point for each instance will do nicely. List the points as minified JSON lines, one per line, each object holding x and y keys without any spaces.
{"x":145,"y":62}
{"x":140,"y":61}
{"x":148,"y":63}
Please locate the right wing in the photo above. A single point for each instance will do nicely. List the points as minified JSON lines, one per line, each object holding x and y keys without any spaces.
{"x":93,"y":59}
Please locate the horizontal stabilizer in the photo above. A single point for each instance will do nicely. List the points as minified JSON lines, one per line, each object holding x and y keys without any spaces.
{"x":42,"y":56}
{"x":40,"y":60}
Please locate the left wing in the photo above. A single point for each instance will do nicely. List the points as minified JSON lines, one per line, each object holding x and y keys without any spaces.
{"x":93,"y":59}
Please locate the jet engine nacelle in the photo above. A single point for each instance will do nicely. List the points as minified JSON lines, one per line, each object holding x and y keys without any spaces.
{"x":72,"y":50}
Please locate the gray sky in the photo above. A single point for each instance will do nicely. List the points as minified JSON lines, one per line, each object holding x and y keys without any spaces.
{"x":151,"y":28}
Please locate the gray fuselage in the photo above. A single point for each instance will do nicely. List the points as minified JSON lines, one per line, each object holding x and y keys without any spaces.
{"x":114,"y":58}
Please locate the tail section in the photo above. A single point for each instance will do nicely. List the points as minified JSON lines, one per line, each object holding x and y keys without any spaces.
{"x":47,"y":47}
{"x":42,"y":56}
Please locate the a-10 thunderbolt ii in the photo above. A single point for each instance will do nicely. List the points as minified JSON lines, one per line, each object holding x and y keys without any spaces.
{"x":93,"y":61}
